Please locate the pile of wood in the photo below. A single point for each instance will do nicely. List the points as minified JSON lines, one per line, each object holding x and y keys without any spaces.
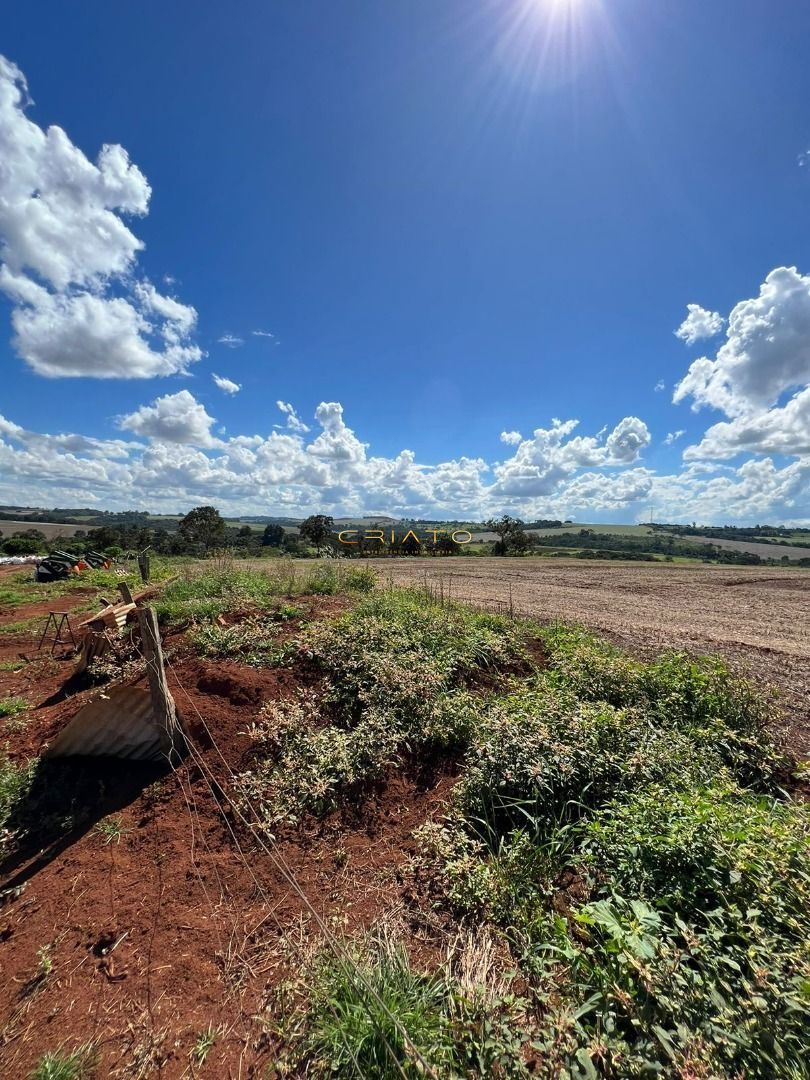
{"x":97,"y":630}
{"x":115,"y":616}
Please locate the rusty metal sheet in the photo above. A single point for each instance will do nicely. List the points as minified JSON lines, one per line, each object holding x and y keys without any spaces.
{"x":118,"y":724}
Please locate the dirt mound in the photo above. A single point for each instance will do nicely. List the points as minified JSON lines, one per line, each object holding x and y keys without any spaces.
{"x":160,"y":913}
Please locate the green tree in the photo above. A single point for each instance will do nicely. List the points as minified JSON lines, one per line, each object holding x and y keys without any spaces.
{"x":316,"y":530}
{"x":291,"y":545}
{"x":411,"y":545}
{"x":445,"y":545}
{"x":273,"y":536}
{"x":512,"y":536}
{"x":20,"y":545}
{"x":203,"y":525}
{"x":245,"y":537}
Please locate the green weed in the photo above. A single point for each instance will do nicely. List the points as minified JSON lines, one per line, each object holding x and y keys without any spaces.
{"x":252,"y":641}
{"x":10,"y":706}
{"x":202,"y":595}
{"x":111,"y":830}
{"x":15,"y":783}
{"x":370,"y":1013}
{"x":23,"y":626}
{"x":203,"y":1044}
{"x":59,"y":1065}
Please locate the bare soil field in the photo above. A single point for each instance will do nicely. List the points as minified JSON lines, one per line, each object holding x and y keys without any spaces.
{"x":757,"y":618}
{"x":51,"y":530}
{"x":754,"y":547}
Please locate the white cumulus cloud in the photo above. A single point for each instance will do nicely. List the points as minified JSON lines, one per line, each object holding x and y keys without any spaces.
{"x":770,"y":431}
{"x":175,"y":418}
{"x":699,"y":324}
{"x":294,"y":422}
{"x":231,"y":340}
{"x":67,"y":256}
{"x":177,"y":463}
{"x":227,"y":386}
{"x":767,"y":350}
{"x":543,"y":461}
{"x":511,"y":438}
{"x":760,"y":376}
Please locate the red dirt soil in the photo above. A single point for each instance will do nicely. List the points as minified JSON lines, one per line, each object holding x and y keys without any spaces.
{"x":185,"y":922}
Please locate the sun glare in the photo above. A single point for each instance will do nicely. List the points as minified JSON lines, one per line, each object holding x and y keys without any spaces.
{"x":547,"y":43}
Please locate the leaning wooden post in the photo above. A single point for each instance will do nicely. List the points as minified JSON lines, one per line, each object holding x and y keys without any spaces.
{"x":163,"y":708}
{"x":143,"y":566}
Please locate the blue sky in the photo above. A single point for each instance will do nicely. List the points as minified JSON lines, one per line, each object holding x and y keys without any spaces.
{"x":456,"y":220}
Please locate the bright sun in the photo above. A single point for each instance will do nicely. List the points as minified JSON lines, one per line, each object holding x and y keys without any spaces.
{"x":547,"y":43}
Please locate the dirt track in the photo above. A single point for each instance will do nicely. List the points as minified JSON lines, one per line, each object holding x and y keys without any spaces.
{"x":757,"y":617}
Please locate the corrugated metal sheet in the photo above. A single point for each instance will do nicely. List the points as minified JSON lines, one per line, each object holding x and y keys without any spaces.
{"x":120,"y":724}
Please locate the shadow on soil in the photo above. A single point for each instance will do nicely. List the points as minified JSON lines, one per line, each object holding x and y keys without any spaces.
{"x":67,"y":798}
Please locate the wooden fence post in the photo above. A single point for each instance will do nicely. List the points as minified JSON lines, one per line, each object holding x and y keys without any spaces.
{"x":162,"y":701}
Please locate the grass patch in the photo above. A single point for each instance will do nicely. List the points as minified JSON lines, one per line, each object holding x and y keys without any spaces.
{"x":201,"y":595}
{"x":10,"y":706}
{"x":252,"y":641}
{"x":23,"y":626}
{"x":60,"y":1065}
{"x":371,"y":1013}
{"x":10,"y":597}
{"x":12,"y":665}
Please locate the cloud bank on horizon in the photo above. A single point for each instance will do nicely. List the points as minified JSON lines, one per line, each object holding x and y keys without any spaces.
{"x":79,"y":307}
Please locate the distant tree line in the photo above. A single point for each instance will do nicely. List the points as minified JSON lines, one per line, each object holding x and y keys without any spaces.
{"x":764,"y":533}
{"x":593,"y":540}
{"x":203,"y":531}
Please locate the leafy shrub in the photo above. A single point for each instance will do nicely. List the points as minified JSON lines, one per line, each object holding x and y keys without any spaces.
{"x":20,"y":545}
{"x":396,"y":668}
{"x":664,"y":993}
{"x":659,"y":907}
{"x":700,"y":849}
{"x":360,"y":579}
{"x":698,"y":696}
{"x":540,"y":758}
